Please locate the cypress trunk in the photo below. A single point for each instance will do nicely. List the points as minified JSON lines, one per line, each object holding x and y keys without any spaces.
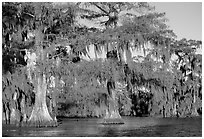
{"x":112,"y":111}
{"x":23,"y":110}
{"x":14,"y":115}
{"x":112,"y":115}
{"x":40,"y":115}
{"x":194,"y":106}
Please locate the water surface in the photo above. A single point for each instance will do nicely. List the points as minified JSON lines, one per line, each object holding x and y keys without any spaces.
{"x":134,"y":126}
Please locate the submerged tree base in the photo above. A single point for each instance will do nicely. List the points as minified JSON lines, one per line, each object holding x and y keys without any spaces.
{"x":112,"y":117}
{"x":108,"y":121}
{"x":42,"y":124}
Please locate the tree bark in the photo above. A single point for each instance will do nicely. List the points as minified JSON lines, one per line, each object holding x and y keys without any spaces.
{"x":113,"y":107}
{"x":194,"y":106}
{"x":112,"y":115}
{"x":40,"y":115}
{"x":23,"y":110}
{"x":14,"y":115}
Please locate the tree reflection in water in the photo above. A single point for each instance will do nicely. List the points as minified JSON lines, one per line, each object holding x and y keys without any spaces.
{"x":134,"y":127}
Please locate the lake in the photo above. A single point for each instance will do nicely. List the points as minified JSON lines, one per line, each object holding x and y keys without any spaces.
{"x":133,"y":127}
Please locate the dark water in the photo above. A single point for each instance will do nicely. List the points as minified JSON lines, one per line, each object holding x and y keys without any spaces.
{"x":134,"y":126}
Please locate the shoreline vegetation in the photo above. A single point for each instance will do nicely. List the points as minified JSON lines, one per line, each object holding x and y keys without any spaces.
{"x":47,"y":69}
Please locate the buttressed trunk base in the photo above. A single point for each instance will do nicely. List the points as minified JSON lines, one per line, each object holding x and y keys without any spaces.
{"x":40,"y":116}
{"x":112,"y":114}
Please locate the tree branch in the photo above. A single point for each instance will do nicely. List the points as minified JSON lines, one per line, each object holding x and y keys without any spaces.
{"x":100,"y":8}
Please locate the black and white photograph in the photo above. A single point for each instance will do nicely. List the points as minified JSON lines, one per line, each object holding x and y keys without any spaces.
{"x":101,"y":69}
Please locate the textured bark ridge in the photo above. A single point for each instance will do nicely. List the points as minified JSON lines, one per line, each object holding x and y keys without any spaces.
{"x":112,"y":113}
{"x":40,"y":116}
